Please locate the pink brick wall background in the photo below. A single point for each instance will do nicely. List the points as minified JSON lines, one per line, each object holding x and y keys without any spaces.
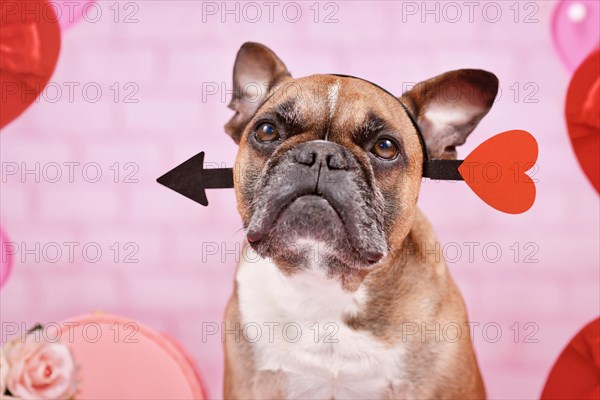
{"x":169,"y":54}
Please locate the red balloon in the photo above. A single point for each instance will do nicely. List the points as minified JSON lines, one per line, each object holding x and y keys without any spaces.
{"x":576,"y":374}
{"x":583,"y":116}
{"x":29,"y":47}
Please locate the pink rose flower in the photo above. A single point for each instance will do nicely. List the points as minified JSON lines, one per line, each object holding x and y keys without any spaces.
{"x":40,"y":370}
{"x":3,"y":374}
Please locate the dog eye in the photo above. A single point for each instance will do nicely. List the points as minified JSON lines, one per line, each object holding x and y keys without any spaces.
{"x":386,"y":149}
{"x":267,"y":133}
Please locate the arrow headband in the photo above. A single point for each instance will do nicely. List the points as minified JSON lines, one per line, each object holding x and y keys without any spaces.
{"x":495,"y":170}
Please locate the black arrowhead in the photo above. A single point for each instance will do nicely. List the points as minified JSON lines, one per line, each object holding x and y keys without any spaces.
{"x":190,"y":179}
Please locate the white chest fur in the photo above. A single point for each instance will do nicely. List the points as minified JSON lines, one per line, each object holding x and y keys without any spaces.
{"x":296,"y":326}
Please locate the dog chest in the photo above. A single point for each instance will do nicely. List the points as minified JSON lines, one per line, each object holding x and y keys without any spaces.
{"x":296,"y":326}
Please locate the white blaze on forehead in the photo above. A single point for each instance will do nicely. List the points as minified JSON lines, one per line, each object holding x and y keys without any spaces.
{"x":333,"y":91}
{"x":332,"y":96}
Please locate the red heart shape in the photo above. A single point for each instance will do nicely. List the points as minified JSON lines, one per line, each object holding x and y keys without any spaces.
{"x":583,"y":116}
{"x":29,"y":47}
{"x":495,"y":171}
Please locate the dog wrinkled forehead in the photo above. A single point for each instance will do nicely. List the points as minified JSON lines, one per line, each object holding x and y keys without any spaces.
{"x":338,"y":106}
{"x":308,"y":91}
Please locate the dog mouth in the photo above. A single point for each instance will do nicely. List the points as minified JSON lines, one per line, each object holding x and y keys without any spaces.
{"x":313,"y":216}
{"x":255,"y":236}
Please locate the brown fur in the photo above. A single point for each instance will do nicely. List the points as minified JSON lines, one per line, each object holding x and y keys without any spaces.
{"x":410,"y":288}
{"x":411,"y":285}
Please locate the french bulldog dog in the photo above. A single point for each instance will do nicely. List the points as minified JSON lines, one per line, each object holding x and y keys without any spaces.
{"x":342,"y":292}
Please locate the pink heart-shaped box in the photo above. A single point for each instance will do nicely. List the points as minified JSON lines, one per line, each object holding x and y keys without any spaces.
{"x":119,"y":358}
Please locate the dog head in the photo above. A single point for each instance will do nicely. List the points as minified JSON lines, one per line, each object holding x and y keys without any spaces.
{"x":329,"y":167}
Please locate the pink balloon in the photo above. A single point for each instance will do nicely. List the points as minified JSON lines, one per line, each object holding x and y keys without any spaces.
{"x":5,"y":259}
{"x":69,"y":12}
{"x":575,"y":30}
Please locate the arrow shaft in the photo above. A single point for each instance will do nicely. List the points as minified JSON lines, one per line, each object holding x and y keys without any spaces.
{"x":218,"y":178}
{"x":222,"y":178}
{"x":446,"y":170}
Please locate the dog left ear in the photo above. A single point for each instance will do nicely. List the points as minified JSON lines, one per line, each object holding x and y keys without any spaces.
{"x":257,"y":70}
{"x":449,"y":106}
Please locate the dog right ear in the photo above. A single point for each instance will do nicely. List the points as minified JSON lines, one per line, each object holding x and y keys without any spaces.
{"x":257,"y":70}
{"x":449,"y":106}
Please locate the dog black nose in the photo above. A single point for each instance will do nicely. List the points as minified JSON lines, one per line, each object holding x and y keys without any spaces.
{"x":322,"y":153}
